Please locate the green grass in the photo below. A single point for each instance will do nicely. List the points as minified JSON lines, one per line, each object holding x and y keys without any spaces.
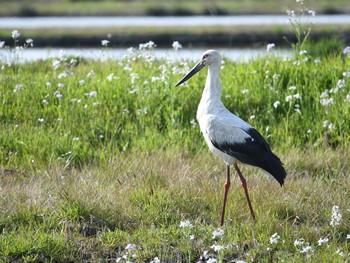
{"x":118,"y":161}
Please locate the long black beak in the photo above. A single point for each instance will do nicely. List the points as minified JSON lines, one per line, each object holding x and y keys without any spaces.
{"x":193,"y":71}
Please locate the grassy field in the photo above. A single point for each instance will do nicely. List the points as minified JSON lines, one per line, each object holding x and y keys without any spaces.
{"x":103,"y":161}
{"x":170,"y":7}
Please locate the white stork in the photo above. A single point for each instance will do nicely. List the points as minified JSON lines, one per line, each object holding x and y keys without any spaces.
{"x":228,"y":136}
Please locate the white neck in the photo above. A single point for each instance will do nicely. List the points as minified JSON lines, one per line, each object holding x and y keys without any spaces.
{"x":212,"y":90}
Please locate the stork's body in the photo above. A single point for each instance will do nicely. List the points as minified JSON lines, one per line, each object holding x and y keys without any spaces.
{"x":228,"y":136}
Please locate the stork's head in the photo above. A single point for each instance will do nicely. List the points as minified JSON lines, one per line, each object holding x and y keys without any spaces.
{"x":210,"y":57}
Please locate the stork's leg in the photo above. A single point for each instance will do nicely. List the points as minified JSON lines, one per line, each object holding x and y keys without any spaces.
{"x":227,"y":186}
{"x":244,"y":185}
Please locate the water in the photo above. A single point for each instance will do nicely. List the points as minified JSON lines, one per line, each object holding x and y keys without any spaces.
{"x":33,"y":54}
{"x":139,"y":21}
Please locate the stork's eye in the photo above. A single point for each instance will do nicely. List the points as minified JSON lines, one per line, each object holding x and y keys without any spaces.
{"x":205,"y":56}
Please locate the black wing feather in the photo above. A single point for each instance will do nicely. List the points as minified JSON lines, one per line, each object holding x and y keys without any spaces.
{"x":255,"y":151}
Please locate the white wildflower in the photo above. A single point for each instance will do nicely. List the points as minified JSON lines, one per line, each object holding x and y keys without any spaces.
{"x":341,"y":83}
{"x":217,"y":248}
{"x":155,"y":260}
{"x":299,"y":242}
{"x":307,"y":249}
{"x":336,"y":216}
{"x":30,"y":41}
{"x":297,"y":96}
{"x":76,"y":139}
{"x":62,"y":75}
{"x":289,"y":98}
{"x":346,"y":50}
{"x":331,"y":127}
{"x":340,"y":253}
{"x":56,"y":64}
{"x":131,"y":50}
{"x":348,"y":236}
{"x":48,"y":84}
{"x":154,"y":79}
{"x":60,"y":85}
{"x":323,"y":241}
{"x":302,"y":52}
{"x":130,"y":247}
{"x":274,"y":238}
{"x":317,"y":61}
{"x":148,"y":45}
{"x":276,"y":103}
{"x":176,"y":45}
{"x":15,"y":34}
{"x":104,"y":42}
{"x":81,"y":81}
{"x":312,"y":12}
{"x":57,"y":94}
{"x":45,"y":101}
{"x":244,"y":91}
{"x":18,"y":87}
{"x":292,"y":88}
{"x":218,"y":233}
{"x":326,"y":102}
{"x":347,"y":99}
{"x":346,"y":74}
{"x":252,"y":117}
{"x":41,"y":120}
{"x":270,"y":46}
{"x":276,"y":76}
{"x":111,"y":76}
{"x":186,"y":223}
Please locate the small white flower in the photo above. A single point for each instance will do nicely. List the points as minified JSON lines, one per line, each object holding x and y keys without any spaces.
{"x":317,"y":61}
{"x":312,"y":12}
{"x":299,"y":1}
{"x":274,"y":238}
{"x":252,"y":117}
{"x":45,"y":101}
{"x":217,"y":248}
{"x":131,"y":247}
{"x":348,"y":236}
{"x":58,"y":94}
{"x":41,"y":120}
{"x":104,"y":42}
{"x":347,"y":99}
{"x":309,"y":131}
{"x":81,"y":82}
{"x":30,"y":41}
{"x":191,"y":237}
{"x":340,"y":253}
{"x":326,"y":102}
{"x":331,"y":127}
{"x":346,"y":50}
{"x":218,"y":233}
{"x":299,"y":242}
{"x":154,"y":79}
{"x":56,"y":64}
{"x":18,"y":87}
{"x":176,"y":45}
{"x":289,"y":98}
{"x":297,"y":96}
{"x":341,"y":83}
{"x":148,"y":45}
{"x":111,"y":76}
{"x":270,"y":46}
{"x":48,"y":84}
{"x":76,"y":139}
{"x":155,"y":260}
{"x":307,"y":249}
{"x":276,"y":103}
{"x":346,"y":74}
{"x":15,"y":34}
{"x":302,"y":52}
{"x":244,"y":91}
{"x":336,"y":216}
{"x":186,"y":223}
{"x":60,"y":85}
{"x":323,"y":241}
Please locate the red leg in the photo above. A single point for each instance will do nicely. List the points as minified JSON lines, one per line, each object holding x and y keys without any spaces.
{"x":244,"y":185}
{"x":227,"y":186}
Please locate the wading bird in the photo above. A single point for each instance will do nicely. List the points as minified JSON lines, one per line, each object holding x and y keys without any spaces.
{"x":228,"y":136}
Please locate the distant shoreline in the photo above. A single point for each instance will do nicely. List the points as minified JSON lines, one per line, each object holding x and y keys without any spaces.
{"x":242,"y":39}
